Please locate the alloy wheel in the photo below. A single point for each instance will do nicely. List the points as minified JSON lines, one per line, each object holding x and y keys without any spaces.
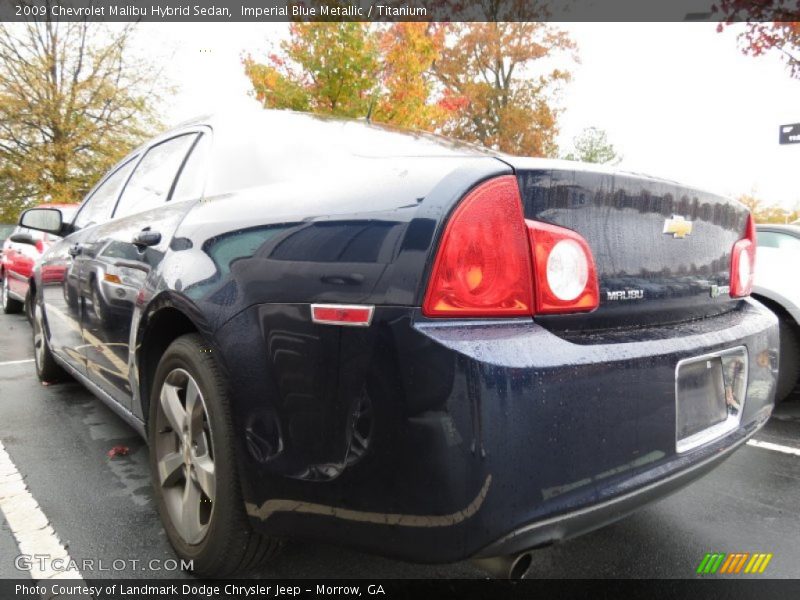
{"x":185,"y":456}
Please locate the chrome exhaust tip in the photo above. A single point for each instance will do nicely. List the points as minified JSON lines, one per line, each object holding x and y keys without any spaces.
{"x":514,"y":566}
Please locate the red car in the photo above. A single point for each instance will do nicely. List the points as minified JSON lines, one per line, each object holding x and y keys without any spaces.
{"x":20,"y":252}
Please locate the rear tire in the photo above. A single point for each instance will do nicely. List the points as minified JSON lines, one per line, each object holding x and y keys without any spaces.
{"x":789,"y":368}
{"x":47,"y":369}
{"x":193,"y":467}
{"x":9,"y":304}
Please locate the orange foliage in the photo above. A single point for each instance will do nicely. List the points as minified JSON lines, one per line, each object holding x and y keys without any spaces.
{"x":480,"y":82}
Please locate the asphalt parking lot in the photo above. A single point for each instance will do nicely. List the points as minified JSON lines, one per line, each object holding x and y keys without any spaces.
{"x":101,"y":508}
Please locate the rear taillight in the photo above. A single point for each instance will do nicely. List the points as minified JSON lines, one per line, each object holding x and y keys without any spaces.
{"x":40,"y":246}
{"x":566,"y":278}
{"x":743,"y":262}
{"x":484,"y":267}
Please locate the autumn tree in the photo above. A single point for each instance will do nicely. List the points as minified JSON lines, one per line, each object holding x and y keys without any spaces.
{"x":592,"y":146}
{"x":408,"y":52}
{"x":768,"y":213}
{"x":507,"y":98}
{"x":489,"y":83}
{"x":73,"y":101}
{"x":326,"y":68}
{"x":352,"y":69}
{"x":771,"y":27}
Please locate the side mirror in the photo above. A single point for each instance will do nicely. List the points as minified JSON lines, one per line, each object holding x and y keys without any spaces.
{"x":23,"y":238}
{"x":48,"y":220}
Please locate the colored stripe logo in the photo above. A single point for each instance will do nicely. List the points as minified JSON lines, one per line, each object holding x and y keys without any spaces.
{"x":734,"y":563}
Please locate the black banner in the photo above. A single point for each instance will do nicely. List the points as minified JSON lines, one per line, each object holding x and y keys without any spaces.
{"x":271,"y":589}
{"x":399,"y":10}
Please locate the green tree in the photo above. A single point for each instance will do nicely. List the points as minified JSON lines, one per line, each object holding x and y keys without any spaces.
{"x":592,"y":146}
{"x":73,"y":101}
{"x":326,"y":68}
{"x":353,"y":70}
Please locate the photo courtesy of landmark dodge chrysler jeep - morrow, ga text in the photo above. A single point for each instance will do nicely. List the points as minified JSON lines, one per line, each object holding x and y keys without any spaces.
{"x":399,"y":342}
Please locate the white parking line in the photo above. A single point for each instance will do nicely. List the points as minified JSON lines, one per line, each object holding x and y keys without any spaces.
{"x":30,"y":526}
{"x":16,"y":362}
{"x":775,"y":447}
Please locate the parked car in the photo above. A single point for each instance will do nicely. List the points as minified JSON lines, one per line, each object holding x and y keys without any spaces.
{"x":110,"y":277}
{"x":402,"y":343}
{"x":777,"y":285}
{"x":21,"y":249}
{"x":5,"y":231}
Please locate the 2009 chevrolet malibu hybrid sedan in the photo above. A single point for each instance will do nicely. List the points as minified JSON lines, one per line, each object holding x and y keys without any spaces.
{"x":331,"y":330}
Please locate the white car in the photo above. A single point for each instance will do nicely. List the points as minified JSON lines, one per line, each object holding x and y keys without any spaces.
{"x":778,"y":286}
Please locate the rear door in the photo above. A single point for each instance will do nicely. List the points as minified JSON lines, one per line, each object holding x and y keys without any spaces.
{"x":121,"y":253}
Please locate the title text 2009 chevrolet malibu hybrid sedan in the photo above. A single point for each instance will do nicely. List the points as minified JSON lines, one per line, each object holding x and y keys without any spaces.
{"x":331,"y":330}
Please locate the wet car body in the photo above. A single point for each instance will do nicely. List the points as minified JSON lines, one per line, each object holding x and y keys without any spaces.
{"x":433,"y":439}
{"x":109,"y":276}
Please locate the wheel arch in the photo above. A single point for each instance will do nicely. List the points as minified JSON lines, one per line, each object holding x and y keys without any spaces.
{"x":779,"y":305}
{"x":166,"y":319}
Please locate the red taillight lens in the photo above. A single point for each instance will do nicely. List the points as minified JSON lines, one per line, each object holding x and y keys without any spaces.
{"x":566,"y":277}
{"x":40,"y":246}
{"x":743,"y":262}
{"x":484,"y":268}
{"x":483,"y":265}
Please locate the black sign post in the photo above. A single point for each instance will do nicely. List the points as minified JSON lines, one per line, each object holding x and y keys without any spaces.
{"x":790,"y":134}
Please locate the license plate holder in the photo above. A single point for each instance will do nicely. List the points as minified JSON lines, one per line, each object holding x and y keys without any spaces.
{"x":709,"y":396}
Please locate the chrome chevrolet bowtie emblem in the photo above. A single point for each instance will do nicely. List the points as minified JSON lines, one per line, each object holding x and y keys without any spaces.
{"x":678,"y":226}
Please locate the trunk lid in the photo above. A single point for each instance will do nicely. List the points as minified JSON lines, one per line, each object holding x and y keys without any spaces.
{"x":662,"y":250}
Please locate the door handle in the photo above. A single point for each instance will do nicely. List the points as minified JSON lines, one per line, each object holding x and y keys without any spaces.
{"x":146,"y":238}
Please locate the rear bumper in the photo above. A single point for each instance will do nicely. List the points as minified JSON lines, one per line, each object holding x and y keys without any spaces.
{"x":593,"y":516}
{"x":490,"y":438}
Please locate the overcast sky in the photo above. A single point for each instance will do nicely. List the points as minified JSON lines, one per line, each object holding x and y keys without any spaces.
{"x":678,"y":100}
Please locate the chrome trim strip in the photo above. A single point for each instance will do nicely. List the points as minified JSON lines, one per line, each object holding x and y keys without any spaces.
{"x":270,"y":507}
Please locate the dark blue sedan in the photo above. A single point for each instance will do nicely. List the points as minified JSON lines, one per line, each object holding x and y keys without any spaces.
{"x":332,"y":330}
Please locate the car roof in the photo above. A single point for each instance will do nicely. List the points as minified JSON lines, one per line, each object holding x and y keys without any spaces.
{"x":228,"y":125}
